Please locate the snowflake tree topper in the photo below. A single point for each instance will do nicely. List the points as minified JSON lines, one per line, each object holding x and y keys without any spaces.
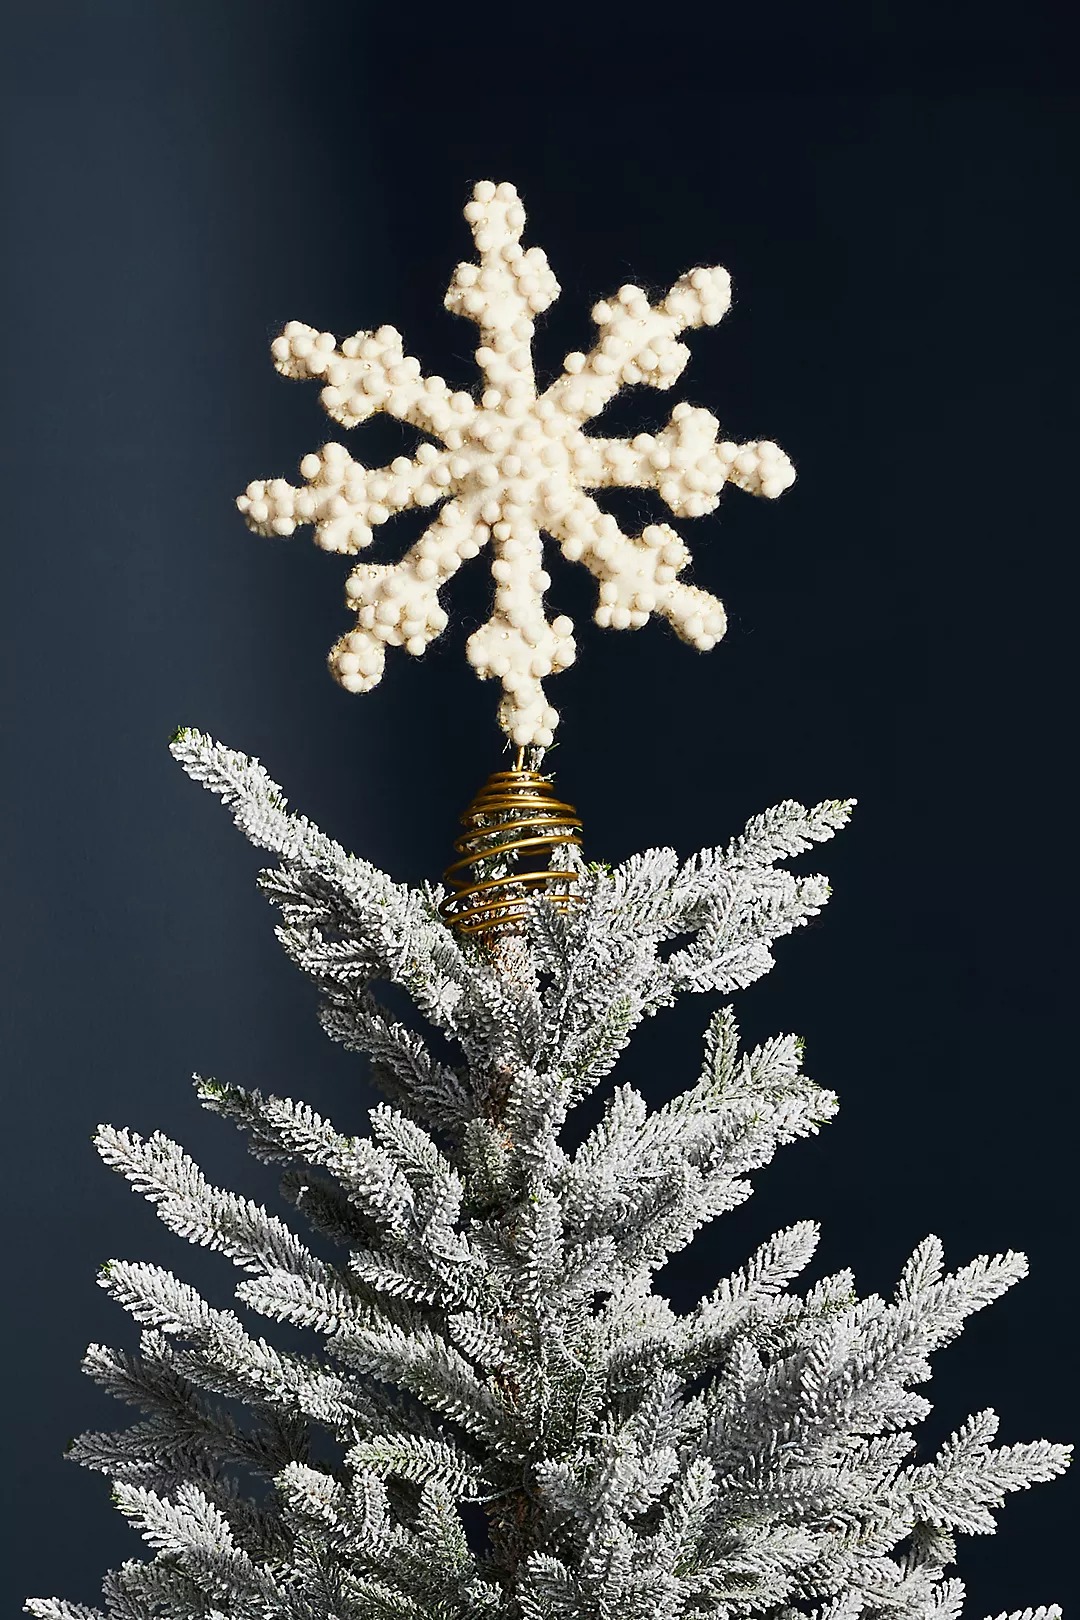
{"x":514,"y":465}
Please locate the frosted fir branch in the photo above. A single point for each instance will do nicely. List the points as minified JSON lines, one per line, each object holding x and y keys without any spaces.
{"x":849,"y":1377}
{"x":738,"y":922}
{"x":929,"y":1547}
{"x":149,"y":1381}
{"x":634,"y":1334}
{"x":188,"y":1524}
{"x":743,"y":1301}
{"x":500,"y":1021}
{"x":969,"y":1478}
{"x":533,"y":1109}
{"x":164,"y":1458}
{"x":592,"y":1054}
{"x":428,"y":1561}
{"x":156,"y":1299}
{"x":490,"y":1161}
{"x":438,"y":1191}
{"x":407,"y":1279}
{"x":592,"y":959}
{"x":198,"y":1557}
{"x":402,"y":1067}
{"x":641,"y":887}
{"x":340,"y":1311}
{"x":1049,"y":1611}
{"x":286,"y":1131}
{"x":441,"y":1543}
{"x":58,"y":1609}
{"x":501,"y":1346}
{"x":406,"y":1193}
{"x":327,"y":1210}
{"x":313,"y":1495}
{"x":424,"y":1460}
{"x":685,"y":1516}
{"x":399,"y":927}
{"x":662,"y":1174}
{"x":946,"y":1304}
{"x":325,"y":1306}
{"x":430,"y":1368}
{"x":165,"y":1445}
{"x":260,"y":810}
{"x":224,"y":1360}
{"x":663,"y":897}
{"x":280,"y":1130}
{"x":783,"y":832}
{"x":191,"y":1530}
{"x":164,"y":1174}
{"x":141,"y":1591}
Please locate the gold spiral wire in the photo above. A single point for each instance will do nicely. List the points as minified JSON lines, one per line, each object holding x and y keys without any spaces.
{"x":511,"y":825}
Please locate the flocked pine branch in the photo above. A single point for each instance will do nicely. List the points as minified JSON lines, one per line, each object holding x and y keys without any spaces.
{"x":498,"y":1413}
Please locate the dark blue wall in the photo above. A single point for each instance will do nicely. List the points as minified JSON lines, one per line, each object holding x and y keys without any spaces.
{"x":897,"y":210}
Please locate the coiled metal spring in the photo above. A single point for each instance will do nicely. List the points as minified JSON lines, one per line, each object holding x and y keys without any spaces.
{"x":512,"y":823}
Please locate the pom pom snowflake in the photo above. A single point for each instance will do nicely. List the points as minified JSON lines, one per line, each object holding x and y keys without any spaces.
{"x":512,"y":466}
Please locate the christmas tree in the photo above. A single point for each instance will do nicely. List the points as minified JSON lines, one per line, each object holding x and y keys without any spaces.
{"x":506,"y":1418}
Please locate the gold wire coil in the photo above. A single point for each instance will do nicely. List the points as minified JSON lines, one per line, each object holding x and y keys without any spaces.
{"x":512,"y":822}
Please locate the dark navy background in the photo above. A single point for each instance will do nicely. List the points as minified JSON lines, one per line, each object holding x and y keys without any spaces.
{"x":897,"y":208}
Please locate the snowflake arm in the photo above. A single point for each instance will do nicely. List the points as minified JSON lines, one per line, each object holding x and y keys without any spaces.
{"x":371,"y":372}
{"x":518,"y":645}
{"x":397,"y":604}
{"x":511,"y":466}
{"x":639,"y":342}
{"x":637,"y":574}
{"x":344,"y":500}
{"x":502,"y":293}
{"x":686,"y":463}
